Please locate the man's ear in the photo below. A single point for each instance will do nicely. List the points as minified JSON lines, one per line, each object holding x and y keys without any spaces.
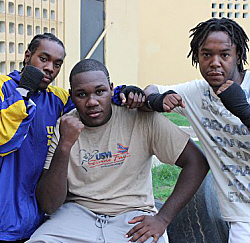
{"x":112,"y":88}
{"x":27,"y":56}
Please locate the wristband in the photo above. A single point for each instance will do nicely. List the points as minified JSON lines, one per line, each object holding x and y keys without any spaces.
{"x":234,"y":99}
{"x":116,"y":97}
{"x":155,"y":100}
{"x":23,"y":92}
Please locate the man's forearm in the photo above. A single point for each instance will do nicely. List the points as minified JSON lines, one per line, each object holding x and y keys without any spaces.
{"x":52,"y":187}
{"x":234,"y":99}
{"x":187,"y":184}
{"x":183,"y":192}
{"x":150,"y":89}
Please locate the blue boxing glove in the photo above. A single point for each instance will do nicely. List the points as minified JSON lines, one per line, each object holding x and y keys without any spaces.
{"x":234,"y":99}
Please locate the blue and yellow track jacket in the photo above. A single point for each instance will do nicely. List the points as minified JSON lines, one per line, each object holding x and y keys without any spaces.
{"x":26,"y":129}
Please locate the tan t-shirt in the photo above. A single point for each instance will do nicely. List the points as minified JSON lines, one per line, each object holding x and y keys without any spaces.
{"x":110,"y":166}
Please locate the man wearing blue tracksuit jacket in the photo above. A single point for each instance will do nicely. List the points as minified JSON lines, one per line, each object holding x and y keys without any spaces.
{"x":29,"y":109}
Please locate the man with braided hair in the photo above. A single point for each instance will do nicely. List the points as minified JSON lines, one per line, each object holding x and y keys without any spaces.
{"x":219,"y":111}
{"x":29,"y":108}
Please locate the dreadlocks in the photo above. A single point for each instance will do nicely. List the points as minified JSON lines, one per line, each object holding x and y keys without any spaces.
{"x":235,"y":32}
{"x":35,"y":42}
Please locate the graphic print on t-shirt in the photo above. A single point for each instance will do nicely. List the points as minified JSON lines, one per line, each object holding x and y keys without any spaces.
{"x":96,"y":158}
{"x":231,"y":146}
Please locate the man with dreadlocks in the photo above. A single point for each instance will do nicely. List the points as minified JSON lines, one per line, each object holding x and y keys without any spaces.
{"x":29,"y":109}
{"x":219,"y":111}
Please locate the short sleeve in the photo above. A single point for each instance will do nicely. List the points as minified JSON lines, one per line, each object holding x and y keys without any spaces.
{"x":167,"y":139}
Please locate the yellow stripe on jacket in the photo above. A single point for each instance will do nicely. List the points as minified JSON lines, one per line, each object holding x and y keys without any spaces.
{"x":60,"y":93}
{"x":4,"y":154}
{"x":3,"y":79}
{"x":9,"y":123}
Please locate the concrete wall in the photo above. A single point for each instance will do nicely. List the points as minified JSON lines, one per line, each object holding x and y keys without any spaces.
{"x":71,"y":38}
{"x":164,"y":37}
{"x":148,"y":40}
{"x":122,"y":40}
{"x":164,"y":43}
{"x":21,"y":20}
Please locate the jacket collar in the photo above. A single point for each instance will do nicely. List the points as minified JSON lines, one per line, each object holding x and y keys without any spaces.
{"x":15,"y":75}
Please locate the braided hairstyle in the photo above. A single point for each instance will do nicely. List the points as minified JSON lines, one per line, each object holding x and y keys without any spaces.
{"x":35,"y":42}
{"x":235,"y":32}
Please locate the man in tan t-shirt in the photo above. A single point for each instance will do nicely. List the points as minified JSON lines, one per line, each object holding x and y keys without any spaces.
{"x":97,"y":178}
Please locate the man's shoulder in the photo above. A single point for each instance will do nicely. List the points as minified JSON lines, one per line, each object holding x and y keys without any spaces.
{"x":124,"y":115}
{"x":61,"y":93}
{"x":189,"y":87}
{"x":195,"y":84}
{"x":123,"y":111}
{"x":57,"y":90}
{"x":7,"y":83}
{"x":247,"y":76}
{"x":4,"y":78}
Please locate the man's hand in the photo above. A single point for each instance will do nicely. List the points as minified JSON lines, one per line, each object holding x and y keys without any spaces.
{"x":171,"y":101}
{"x":149,"y":226}
{"x":52,"y":188}
{"x":31,"y":78}
{"x":165,"y":102}
{"x":224,"y":86}
{"x":70,"y":129}
{"x":234,"y":99}
{"x":132,"y":97}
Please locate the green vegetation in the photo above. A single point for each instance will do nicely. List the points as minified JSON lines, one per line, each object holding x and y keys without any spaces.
{"x":179,"y":120}
{"x":165,"y":176}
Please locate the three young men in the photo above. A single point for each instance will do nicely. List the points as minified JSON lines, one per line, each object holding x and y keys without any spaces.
{"x":97,"y":178}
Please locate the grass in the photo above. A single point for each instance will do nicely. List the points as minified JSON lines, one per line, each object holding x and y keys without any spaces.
{"x":165,"y":176}
{"x":177,"y":119}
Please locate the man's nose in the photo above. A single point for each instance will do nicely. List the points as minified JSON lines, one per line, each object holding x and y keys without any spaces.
{"x":49,"y":67}
{"x":92,"y":101}
{"x":215,"y":61}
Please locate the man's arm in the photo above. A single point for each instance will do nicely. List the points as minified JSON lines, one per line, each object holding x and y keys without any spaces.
{"x":15,"y":117}
{"x":194,"y":169}
{"x":148,"y":99}
{"x":234,"y":99}
{"x":52,"y":186}
{"x":17,"y":111}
